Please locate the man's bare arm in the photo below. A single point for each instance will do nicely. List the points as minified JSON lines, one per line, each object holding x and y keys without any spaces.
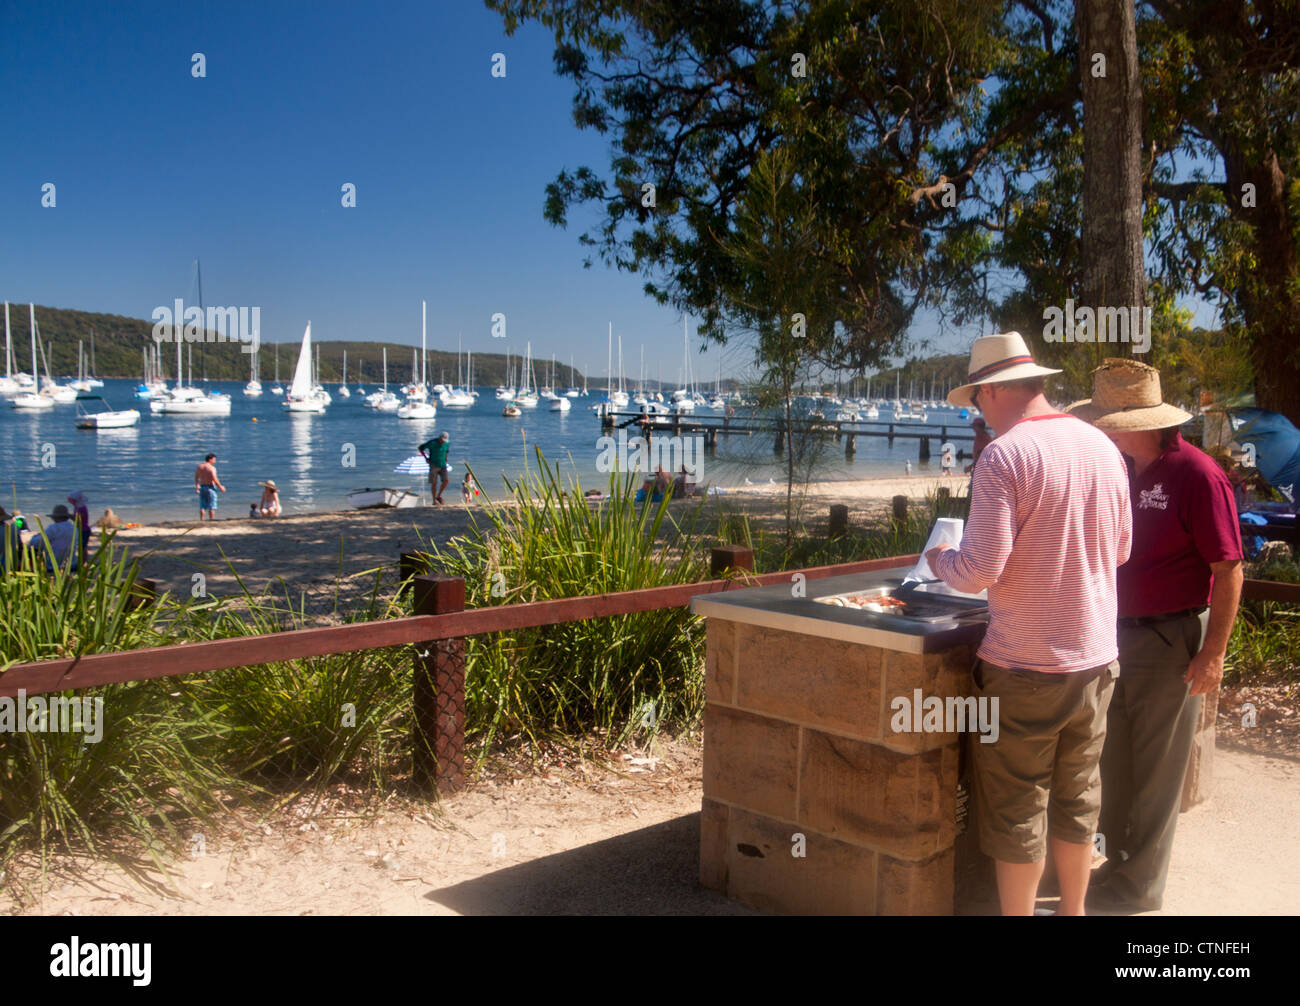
{"x":1206,"y":669}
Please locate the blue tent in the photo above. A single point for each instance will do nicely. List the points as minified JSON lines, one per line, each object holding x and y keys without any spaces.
{"x":1277,"y":447}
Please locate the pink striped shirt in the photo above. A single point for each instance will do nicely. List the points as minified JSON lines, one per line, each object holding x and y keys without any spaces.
{"x":1049,"y":523}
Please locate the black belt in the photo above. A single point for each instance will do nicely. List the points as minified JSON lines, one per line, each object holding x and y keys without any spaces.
{"x":1156,"y":619}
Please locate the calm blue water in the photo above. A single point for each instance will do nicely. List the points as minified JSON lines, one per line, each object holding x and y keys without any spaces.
{"x":146,"y":473}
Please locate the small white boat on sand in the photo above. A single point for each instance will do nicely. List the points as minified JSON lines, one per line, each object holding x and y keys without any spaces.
{"x":367,"y":499}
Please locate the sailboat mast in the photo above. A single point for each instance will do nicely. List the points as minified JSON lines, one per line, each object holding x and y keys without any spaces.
{"x":424,"y":354}
{"x":203,"y":360}
{"x":9,"y":369}
{"x":31,"y":310}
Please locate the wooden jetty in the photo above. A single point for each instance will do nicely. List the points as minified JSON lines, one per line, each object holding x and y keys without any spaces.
{"x":847,"y":431}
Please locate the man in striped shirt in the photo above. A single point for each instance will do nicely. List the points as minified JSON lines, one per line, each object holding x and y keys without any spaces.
{"x":1049,"y":525}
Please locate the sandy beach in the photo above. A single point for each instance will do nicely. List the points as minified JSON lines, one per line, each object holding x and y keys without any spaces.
{"x":316,"y":549}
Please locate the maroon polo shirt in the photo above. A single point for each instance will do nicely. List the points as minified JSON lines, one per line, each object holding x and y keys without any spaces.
{"x":1184,"y":518}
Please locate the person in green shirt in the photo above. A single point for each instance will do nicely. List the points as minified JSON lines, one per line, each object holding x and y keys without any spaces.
{"x":435,"y":451}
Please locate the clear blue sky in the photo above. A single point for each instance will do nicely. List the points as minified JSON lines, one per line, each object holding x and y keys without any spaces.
{"x":243,"y":168}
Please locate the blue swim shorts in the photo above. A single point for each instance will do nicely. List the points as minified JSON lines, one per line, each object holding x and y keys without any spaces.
{"x":207,"y":497}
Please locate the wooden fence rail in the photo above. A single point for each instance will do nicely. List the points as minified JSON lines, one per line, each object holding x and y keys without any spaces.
{"x":438,"y":630}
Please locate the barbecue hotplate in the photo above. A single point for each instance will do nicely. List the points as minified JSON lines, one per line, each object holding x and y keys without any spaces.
{"x":922,"y":605}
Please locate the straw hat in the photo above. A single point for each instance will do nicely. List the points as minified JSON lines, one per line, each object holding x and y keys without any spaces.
{"x":1126,"y":399}
{"x":110,"y":519}
{"x":994,"y":359}
{"x":61,"y":512}
{"x":269,"y":484}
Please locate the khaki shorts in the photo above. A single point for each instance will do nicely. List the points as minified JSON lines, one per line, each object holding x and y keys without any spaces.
{"x":1042,"y":776}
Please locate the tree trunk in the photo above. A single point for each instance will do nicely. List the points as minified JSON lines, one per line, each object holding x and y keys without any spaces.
{"x":1111,"y":239}
{"x":1266,"y":301}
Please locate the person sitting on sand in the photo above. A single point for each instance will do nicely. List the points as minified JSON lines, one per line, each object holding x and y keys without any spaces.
{"x":269,"y":504}
{"x":81,"y":514}
{"x":60,"y":541}
{"x":663,"y":484}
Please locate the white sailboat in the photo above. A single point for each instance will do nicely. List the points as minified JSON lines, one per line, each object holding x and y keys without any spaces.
{"x":80,"y":384}
{"x":91,"y":379}
{"x":417,"y":406}
{"x":527,"y":399}
{"x":277,"y":388}
{"x":60,"y":394}
{"x":506,"y":392}
{"x":253,"y":389}
{"x":343,"y":385}
{"x":9,"y":384}
{"x":384,"y":400}
{"x":31,"y":400}
{"x":619,"y":396}
{"x":301,"y":396}
{"x":190,"y":401}
{"x":457,"y":397}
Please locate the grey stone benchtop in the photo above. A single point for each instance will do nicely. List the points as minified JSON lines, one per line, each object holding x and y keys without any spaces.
{"x":774,"y":607}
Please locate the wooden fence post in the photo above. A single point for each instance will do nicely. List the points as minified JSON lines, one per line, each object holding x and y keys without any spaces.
{"x":438,"y":698}
{"x":839,"y":521}
{"x":726,"y":557}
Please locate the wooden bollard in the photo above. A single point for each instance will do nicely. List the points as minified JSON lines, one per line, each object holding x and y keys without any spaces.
{"x":925,"y":449}
{"x":899,"y":518}
{"x":839,"y":520}
{"x":725,"y":557}
{"x":438,"y":696}
{"x":850,"y":444}
{"x":144,"y":594}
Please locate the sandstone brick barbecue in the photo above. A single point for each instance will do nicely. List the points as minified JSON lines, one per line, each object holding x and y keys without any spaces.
{"x":798,"y":741}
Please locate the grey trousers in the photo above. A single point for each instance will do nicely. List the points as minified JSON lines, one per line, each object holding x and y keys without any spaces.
{"x":1150,"y":727}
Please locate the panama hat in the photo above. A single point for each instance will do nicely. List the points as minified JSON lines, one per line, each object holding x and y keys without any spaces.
{"x":1126,"y":398}
{"x":994,"y":359}
{"x":270,"y":484}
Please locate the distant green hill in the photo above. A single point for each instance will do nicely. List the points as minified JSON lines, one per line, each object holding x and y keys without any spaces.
{"x":119,"y":341}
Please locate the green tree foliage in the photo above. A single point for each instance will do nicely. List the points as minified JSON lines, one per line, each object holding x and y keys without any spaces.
{"x":943,"y":143}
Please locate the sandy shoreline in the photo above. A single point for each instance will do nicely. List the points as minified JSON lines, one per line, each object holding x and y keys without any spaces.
{"x":305,"y":550}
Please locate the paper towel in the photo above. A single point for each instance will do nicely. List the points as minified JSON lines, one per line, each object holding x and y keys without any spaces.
{"x":946,"y":531}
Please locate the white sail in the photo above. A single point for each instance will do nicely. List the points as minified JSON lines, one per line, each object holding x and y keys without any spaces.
{"x":301,"y":386}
